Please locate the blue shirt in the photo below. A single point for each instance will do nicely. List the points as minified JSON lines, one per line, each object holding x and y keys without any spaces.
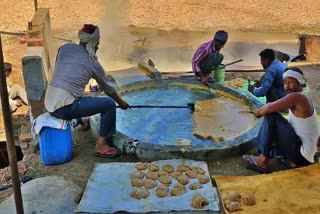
{"x":272,"y":79}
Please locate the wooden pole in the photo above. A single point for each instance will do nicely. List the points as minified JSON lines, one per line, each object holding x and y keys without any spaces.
{"x":12,"y":33}
{"x":35,"y":5}
{"x":9,"y":135}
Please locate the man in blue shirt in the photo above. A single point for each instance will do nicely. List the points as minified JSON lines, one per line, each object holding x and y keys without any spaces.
{"x":271,"y":84}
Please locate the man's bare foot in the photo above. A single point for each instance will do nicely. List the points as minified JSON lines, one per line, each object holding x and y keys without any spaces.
{"x":84,"y":125}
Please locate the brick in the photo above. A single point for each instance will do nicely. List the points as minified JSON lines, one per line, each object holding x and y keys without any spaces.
{"x":35,"y":43}
{"x":25,"y":138}
{"x":25,"y":128}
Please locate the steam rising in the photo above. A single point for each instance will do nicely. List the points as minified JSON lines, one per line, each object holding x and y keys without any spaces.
{"x":114,"y":37}
{"x":122,"y":47}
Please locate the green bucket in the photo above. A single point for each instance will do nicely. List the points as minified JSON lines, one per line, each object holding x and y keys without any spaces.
{"x":218,"y":74}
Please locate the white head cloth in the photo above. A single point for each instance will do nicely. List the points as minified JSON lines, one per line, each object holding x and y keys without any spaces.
{"x":293,"y":74}
{"x":92,"y":40}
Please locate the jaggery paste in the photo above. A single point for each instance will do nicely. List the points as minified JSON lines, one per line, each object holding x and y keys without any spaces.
{"x":221,"y":119}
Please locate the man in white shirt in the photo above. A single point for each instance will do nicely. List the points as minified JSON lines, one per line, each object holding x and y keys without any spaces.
{"x":17,"y":94}
{"x":296,"y":138}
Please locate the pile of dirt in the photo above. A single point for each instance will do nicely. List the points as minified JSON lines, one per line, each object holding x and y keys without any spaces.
{"x":255,"y":15}
{"x":248,"y":15}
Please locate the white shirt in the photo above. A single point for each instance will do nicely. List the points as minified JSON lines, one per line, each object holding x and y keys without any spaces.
{"x":308,"y":129}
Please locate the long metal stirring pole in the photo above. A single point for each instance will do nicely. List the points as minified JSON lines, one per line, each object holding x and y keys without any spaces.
{"x":9,"y":135}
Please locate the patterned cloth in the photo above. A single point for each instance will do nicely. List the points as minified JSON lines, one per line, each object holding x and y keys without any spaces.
{"x":46,"y":120}
{"x":204,"y":50}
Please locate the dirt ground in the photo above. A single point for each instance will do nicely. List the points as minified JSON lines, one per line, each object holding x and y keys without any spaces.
{"x":245,"y":15}
{"x":203,"y":15}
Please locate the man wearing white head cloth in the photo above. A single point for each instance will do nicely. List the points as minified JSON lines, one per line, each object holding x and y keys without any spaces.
{"x":295,"y":139}
{"x":89,"y":37}
{"x":75,"y":66}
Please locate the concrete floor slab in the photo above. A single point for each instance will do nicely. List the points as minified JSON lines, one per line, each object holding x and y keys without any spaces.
{"x":47,"y":195}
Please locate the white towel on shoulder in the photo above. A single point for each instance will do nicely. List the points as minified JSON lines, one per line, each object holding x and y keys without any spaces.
{"x":46,"y":120}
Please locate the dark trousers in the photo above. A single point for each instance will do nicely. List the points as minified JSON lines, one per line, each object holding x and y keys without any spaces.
{"x":211,"y":61}
{"x":276,"y":134}
{"x":87,"y":106}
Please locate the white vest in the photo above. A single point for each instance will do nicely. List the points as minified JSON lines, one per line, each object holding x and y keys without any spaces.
{"x":308,"y":129}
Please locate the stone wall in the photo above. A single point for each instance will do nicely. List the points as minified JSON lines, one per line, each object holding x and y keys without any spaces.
{"x":36,"y":68}
{"x":36,"y":63}
{"x":310,"y":47}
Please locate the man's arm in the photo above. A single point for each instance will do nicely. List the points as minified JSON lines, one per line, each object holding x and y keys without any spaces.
{"x":265,"y":85}
{"x":289,"y":101}
{"x":199,"y":55}
{"x":103,"y":81}
{"x":123,"y":104}
{"x":101,"y":78}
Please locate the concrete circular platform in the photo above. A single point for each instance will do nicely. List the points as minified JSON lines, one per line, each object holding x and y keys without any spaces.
{"x":152,"y":151}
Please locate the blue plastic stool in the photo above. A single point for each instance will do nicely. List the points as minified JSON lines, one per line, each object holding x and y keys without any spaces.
{"x":55,"y":145}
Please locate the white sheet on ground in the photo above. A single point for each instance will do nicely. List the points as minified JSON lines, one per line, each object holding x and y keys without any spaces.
{"x":108,"y":190}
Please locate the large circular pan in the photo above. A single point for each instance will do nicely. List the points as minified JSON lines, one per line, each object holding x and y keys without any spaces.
{"x":150,"y":151}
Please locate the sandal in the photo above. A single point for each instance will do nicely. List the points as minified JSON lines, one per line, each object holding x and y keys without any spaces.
{"x":252,"y":164}
{"x":288,"y":163}
{"x":110,"y":152}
